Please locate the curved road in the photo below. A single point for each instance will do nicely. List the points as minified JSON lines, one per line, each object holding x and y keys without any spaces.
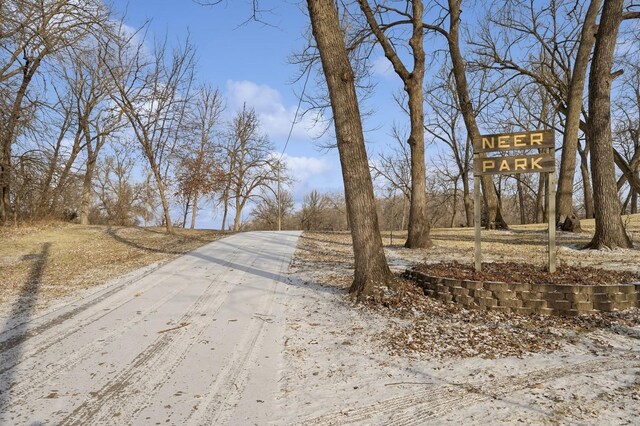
{"x":196,"y":341}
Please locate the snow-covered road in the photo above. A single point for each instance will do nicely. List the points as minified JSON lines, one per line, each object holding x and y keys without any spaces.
{"x":198,"y":340}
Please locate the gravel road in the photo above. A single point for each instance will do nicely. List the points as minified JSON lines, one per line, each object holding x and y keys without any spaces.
{"x":196,"y":341}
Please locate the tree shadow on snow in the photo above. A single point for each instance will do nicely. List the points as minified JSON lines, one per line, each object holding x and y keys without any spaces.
{"x":16,"y":330}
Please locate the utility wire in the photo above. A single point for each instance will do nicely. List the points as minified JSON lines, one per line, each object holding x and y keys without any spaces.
{"x":293,"y":123}
{"x":295,"y":117}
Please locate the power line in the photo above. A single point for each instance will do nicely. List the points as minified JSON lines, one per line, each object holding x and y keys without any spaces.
{"x":293,"y":123}
{"x":295,"y":117}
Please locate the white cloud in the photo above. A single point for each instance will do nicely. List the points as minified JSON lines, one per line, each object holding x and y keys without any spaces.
{"x":320,"y":173}
{"x":302,"y":168}
{"x":382,"y":67}
{"x":274,"y":116}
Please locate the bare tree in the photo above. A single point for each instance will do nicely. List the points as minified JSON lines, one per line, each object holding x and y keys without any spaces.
{"x":120,"y":202}
{"x":248,"y":151}
{"x":313,"y":214}
{"x":152,"y":93}
{"x":61,"y":120}
{"x":453,"y":11}
{"x":32,"y":31}
{"x":394,"y":166}
{"x":273,"y":211}
{"x":444,"y":127}
{"x":97,"y":118}
{"x":627,"y":131}
{"x":564,"y":194}
{"x":413,"y":80}
{"x":610,"y":231}
{"x":199,"y":171}
{"x":371,"y":268}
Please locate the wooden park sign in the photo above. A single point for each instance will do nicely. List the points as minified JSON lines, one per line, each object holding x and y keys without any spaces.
{"x":542,"y":161}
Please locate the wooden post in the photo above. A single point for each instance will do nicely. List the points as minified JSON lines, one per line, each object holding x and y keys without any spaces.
{"x":477,"y":213}
{"x":551,"y":216}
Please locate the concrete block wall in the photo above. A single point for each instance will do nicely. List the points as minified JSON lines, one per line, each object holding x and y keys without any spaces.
{"x":550,"y":299}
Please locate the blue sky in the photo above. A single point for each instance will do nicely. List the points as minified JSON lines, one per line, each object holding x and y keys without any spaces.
{"x":248,"y":61}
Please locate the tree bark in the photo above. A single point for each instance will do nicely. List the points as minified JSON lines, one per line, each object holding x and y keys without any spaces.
{"x":468,"y":200}
{"x":564,"y":194}
{"x":521,"y":201}
{"x":165,"y":203}
{"x":419,"y":230}
{"x":455,"y":204}
{"x":540,"y":200}
{"x":610,"y":232}
{"x":494,"y":214}
{"x":371,"y":268}
{"x":85,"y":203}
{"x":186,"y":212}
{"x":194,"y":210}
{"x":634,"y":199}
{"x":225,"y":200}
{"x":587,"y":189}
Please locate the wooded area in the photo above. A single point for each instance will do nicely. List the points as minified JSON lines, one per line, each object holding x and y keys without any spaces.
{"x":104,"y":124}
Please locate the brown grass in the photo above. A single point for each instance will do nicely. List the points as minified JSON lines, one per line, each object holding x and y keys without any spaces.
{"x":58,"y":259}
{"x":522,"y":244}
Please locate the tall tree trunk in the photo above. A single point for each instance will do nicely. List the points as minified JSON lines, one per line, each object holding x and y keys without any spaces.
{"x":5,"y":176}
{"x":194,"y":209}
{"x":610,"y":231}
{"x":521,"y":203}
{"x":455,"y":204}
{"x":186,"y":212}
{"x":371,"y":268}
{"x":626,"y":203}
{"x":540,"y":200}
{"x":236,"y":219}
{"x":494,"y":214}
{"x":468,"y":200}
{"x":225,"y":212}
{"x":564,"y":194}
{"x":419,"y":228}
{"x":66,"y":171}
{"x":587,"y":190}
{"x":85,"y":203}
{"x":634,"y":202}
{"x":163,"y":198}
{"x":43,"y":201}
{"x":403,"y":221}
{"x":224,"y":217}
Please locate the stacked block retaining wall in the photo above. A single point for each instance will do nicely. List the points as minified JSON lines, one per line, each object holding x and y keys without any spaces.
{"x":551,"y":299}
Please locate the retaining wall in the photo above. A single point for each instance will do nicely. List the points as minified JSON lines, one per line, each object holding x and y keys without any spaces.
{"x":550,"y":299}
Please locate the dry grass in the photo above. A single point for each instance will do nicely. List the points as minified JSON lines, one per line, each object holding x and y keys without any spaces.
{"x":57,"y":259}
{"x":522,"y":244}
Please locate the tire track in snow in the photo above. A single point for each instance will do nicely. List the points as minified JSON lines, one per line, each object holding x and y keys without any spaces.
{"x":127,"y":392}
{"x":21,"y":389}
{"x":417,"y":407}
{"x":229,"y":384}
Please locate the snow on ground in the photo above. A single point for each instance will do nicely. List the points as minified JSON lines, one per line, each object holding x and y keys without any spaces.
{"x":340,"y":368}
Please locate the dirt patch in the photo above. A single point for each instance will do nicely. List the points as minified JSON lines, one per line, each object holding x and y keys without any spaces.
{"x":512,"y":272}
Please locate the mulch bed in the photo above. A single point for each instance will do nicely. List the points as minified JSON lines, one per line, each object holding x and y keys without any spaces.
{"x":512,"y":272}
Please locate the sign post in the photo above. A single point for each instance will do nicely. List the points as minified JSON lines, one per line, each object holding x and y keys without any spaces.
{"x":543,"y":162}
{"x":477,"y":218}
